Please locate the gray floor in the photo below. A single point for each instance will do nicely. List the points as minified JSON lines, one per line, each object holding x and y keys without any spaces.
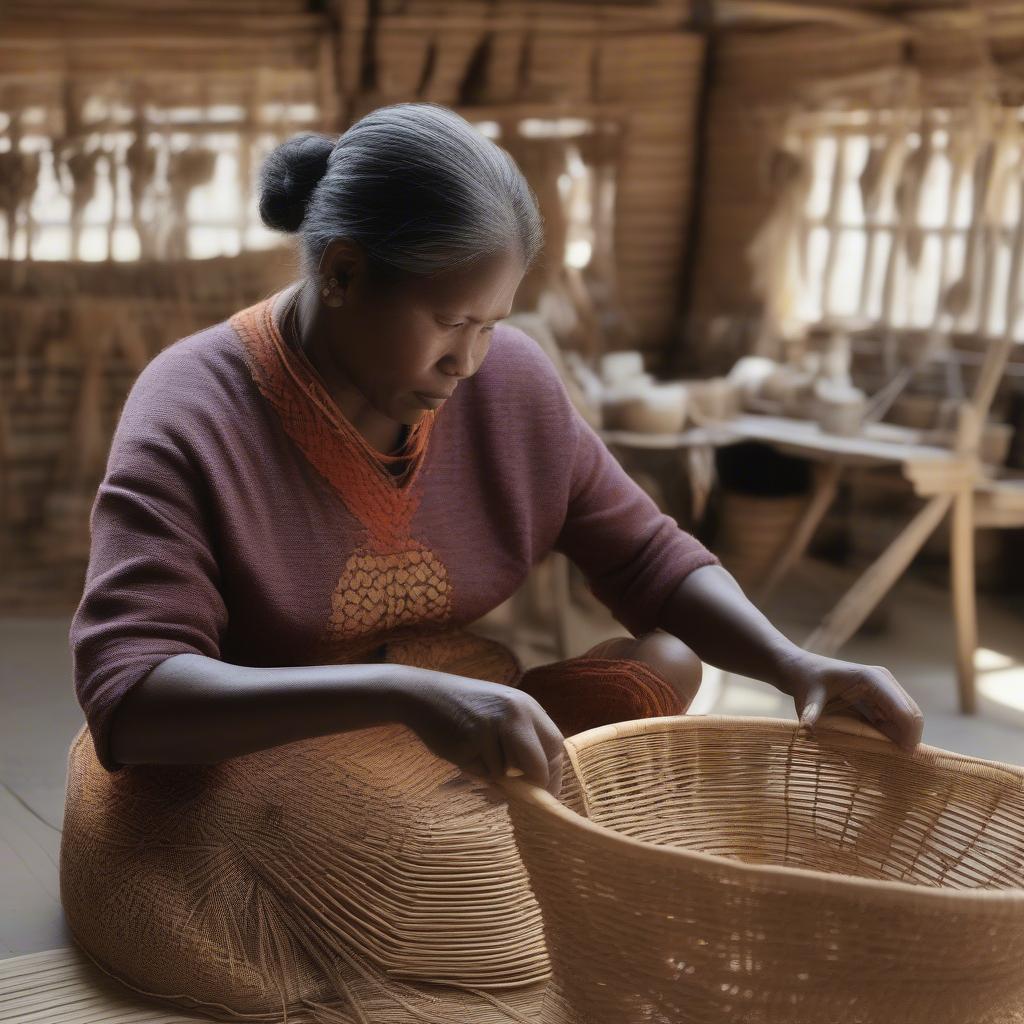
{"x":40,"y":716}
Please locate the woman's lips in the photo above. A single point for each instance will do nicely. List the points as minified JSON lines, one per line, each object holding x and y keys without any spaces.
{"x":429,"y":401}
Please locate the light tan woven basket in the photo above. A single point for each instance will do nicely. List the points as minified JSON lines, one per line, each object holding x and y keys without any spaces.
{"x":710,"y":869}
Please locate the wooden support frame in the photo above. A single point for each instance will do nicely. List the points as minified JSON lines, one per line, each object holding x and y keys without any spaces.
{"x":945,"y":478}
{"x":862,"y":598}
{"x":826,"y":483}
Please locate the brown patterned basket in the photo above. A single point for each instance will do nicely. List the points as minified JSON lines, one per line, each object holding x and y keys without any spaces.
{"x":713,"y":869}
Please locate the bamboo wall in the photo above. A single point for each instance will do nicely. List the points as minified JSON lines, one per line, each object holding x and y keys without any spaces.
{"x":74,"y":333}
{"x":768,"y":63}
{"x":73,"y":337}
{"x":648,"y":79}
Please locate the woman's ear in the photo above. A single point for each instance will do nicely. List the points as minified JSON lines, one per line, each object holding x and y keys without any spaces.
{"x":340,"y":262}
{"x":342,"y":259}
{"x":331,"y":293}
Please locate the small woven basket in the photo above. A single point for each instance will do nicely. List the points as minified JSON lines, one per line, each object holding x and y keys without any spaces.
{"x":711,"y":869}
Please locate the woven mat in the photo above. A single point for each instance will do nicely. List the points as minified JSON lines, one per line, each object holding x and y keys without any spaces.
{"x":61,"y":986}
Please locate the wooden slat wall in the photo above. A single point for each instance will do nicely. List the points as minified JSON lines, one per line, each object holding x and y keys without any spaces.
{"x":769,"y":60}
{"x":459,"y":52}
{"x":639,"y":59}
{"x":73,"y":337}
{"x":634,"y":63}
{"x":757,"y":79}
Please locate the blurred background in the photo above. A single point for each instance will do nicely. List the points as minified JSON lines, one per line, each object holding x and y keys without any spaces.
{"x":782,"y":280}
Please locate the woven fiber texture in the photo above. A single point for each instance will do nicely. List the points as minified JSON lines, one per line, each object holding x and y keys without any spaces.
{"x":581,"y":693}
{"x":740,"y":870}
{"x":354,"y":877}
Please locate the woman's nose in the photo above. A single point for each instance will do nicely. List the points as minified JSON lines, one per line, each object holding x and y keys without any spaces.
{"x":453,"y":366}
{"x":464,"y":360}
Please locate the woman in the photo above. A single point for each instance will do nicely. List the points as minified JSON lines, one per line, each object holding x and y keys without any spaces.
{"x":304,"y":508}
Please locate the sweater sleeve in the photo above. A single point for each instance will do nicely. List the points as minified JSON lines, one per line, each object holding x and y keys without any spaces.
{"x":152,"y":584}
{"x":632,"y":554}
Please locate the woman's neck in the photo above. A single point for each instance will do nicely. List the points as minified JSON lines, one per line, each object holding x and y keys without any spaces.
{"x":315,"y":334}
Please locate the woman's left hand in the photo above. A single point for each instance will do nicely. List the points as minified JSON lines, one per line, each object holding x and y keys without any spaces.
{"x":826,"y":685}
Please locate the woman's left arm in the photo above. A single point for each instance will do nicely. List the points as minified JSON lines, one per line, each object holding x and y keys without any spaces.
{"x":650,"y":573}
{"x":709,"y":612}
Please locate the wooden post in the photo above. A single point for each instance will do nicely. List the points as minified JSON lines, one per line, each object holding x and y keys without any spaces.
{"x":961,"y":566}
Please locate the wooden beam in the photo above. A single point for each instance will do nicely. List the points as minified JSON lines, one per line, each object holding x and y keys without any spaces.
{"x":863,"y":597}
{"x":826,"y":483}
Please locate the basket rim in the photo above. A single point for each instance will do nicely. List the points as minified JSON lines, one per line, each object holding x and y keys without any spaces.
{"x":809,"y":879}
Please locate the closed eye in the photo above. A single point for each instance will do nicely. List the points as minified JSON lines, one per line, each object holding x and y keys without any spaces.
{"x":489,"y":327}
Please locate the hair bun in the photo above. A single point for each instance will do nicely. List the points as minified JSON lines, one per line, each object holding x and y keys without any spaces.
{"x":288,"y":176}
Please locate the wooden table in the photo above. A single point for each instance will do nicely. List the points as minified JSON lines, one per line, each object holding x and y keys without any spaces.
{"x":945,"y":478}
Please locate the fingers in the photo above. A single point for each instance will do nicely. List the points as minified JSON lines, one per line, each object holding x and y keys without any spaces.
{"x":532,"y":743}
{"x":510,"y":734}
{"x":522,"y":741}
{"x":475,"y":769}
{"x":813,"y":705}
{"x":871,"y":693}
{"x":890,"y":709}
{"x":487,"y":756}
{"x":555,"y":783}
{"x":494,"y":755}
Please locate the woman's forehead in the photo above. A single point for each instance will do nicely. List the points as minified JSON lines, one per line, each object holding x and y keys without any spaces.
{"x":483,"y":290}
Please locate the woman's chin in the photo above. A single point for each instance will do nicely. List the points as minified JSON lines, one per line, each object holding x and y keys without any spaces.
{"x":412,"y":410}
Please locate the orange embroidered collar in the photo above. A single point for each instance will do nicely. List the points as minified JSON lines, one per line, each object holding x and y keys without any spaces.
{"x":354,"y":468}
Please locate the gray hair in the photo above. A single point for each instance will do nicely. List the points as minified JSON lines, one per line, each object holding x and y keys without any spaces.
{"x":417,"y":186}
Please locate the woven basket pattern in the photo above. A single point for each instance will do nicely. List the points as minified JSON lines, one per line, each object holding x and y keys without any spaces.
{"x":350,"y":878}
{"x":714,"y":869}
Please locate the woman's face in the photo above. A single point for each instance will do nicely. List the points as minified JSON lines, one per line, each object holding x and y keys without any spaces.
{"x":396,"y":344}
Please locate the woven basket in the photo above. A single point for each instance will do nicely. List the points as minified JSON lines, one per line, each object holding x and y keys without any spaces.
{"x":713,"y":869}
{"x":753,"y":530}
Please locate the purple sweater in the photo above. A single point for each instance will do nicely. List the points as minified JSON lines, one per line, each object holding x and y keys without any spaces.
{"x":220,"y":529}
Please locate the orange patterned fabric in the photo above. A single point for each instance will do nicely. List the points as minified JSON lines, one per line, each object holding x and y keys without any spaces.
{"x":383,"y":503}
{"x":392,"y":581}
{"x":582,"y":693}
{"x":354,"y":876}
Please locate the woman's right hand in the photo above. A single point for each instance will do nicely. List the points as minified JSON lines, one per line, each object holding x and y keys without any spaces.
{"x":484,"y":728}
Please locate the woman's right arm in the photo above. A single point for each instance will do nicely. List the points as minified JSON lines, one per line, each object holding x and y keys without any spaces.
{"x":192,"y":709}
{"x":146,"y":637}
